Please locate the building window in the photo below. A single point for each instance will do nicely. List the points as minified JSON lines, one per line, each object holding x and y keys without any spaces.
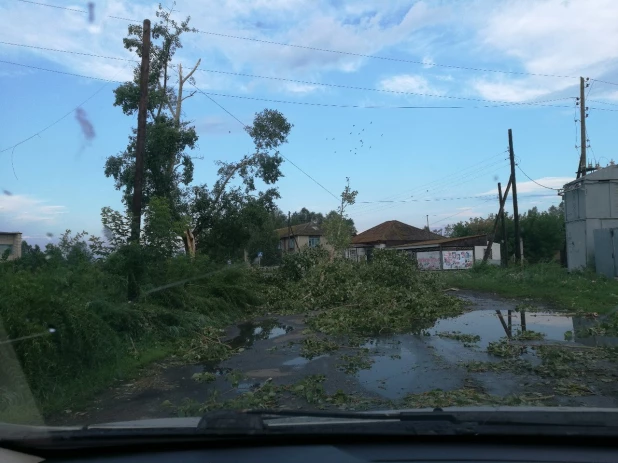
{"x":290,"y":243}
{"x":279,"y":245}
{"x":314,"y":241}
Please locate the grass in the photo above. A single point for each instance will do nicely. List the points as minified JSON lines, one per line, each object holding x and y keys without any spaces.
{"x":576,"y":291}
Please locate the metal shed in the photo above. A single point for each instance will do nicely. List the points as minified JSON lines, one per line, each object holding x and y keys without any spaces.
{"x":590,"y":203}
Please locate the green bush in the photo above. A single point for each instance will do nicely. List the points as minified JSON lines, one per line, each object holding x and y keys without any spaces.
{"x":84,"y":300}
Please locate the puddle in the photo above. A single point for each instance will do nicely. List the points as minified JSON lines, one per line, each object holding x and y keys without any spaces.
{"x":487,"y":325}
{"x":405,"y":365}
{"x":256,"y":331}
{"x":299,"y":362}
{"x":416,"y":363}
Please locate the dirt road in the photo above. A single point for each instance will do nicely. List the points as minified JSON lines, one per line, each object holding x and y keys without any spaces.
{"x":383,"y":372}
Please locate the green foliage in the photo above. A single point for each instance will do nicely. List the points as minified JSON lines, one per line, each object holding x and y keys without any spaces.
{"x":583,"y":291}
{"x":459,"y":336}
{"x":358,"y":361}
{"x":504,"y":348}
{"x":337,"y":228}
{"x":314,"y":347}
{"x":96,"y":330}
{"x":529,"y":335}
{"x":468,"y":397}
{"x":389,"y":295}
{"x":543,"y":233}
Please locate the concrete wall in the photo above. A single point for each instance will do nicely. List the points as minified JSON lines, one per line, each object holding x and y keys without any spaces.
{"x":13,"y":240}
{"x":303,"y":242}
{"x":592,"y":206}
{"x":479,"y":252}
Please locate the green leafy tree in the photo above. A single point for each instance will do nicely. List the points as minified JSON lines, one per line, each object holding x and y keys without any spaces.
{"x":543,"y":233}
{"x":337,"y":229}
{"x":167,"y":165}
{"x":208,"y":206}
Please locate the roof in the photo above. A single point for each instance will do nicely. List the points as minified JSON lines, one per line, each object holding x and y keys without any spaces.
{"x":10,"y":233}
{"x":606,"y":173}
{"x":444,"y":241}
{"x":303,"y":229}
{"x":393,"y":230}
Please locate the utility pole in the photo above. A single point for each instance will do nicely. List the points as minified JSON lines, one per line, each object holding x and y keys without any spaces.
{"x":582,"y":124}
{"x":490,"y":242}
{"x":140,"y":143}
{"x":505,"y":246}
{"x":515,"y":209}
{"x":428,"y":233}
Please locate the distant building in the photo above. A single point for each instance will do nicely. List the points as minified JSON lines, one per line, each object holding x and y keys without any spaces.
{"x":386,"y":235}
{"x":451,"y":253}
{"x":11,"y":242}
{"x":304,"y":235}
{"x":590,"y":203}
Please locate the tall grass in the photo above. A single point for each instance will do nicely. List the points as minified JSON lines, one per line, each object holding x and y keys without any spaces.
{"x":98,"y":336}
{"x":578,"y":291}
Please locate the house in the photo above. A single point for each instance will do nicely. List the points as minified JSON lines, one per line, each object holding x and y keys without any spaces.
{"x":589,"y":204}
{"x":451,"y":253}
{"x":11,"y":242}
{"x":297,"y":237}
{"x":386,"y":235}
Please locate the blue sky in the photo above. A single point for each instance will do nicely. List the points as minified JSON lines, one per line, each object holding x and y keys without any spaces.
{"x":426,"y":157}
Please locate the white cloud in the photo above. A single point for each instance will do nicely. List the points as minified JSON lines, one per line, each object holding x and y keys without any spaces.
{"x":21,"y":209}
{"x":408,"y":83}
{"x":556,"y":37}
{"x":356,"y":28}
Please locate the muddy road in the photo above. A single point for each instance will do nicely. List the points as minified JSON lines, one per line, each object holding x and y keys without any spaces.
{"x":459,"y":361}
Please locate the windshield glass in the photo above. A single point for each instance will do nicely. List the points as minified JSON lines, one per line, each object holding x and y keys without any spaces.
{"x":353,"y":206}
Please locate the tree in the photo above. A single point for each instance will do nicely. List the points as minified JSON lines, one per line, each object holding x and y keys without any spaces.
{"x":543,"y":233}
{"x":167,"y":166}
{"x":337,"y":229}
{"x":269,"y":131}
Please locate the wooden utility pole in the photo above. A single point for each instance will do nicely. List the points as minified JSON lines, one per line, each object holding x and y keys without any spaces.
{"x":582,"y":124}
{"x":515,"y":209}
{"x":428,"y":232}
{"x":140,"y":144}
{"x":505,"y":247}
{"x":490,"y":242}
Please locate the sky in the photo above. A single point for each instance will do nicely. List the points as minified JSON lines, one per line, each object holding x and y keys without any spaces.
{"x":410,"y":100}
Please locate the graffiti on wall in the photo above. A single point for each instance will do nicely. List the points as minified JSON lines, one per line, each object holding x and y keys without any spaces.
{"x":428,"y":260}
{"x":456,"y":260}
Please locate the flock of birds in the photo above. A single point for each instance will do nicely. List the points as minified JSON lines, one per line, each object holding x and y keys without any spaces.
{"x":360,"y":144}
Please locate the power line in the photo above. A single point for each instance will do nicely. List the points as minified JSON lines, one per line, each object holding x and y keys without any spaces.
{"x":66,"y":51}
{"x":529,"y":178}
{"x":332,"y":105}
{"x":603,"y":102}
{"x":339,"y":52}
{"x":54,"y":6}
{"x":60,"y":72}
{"x":284,"y":157}
{"x":351,"y":87}
{"x":59,"y":119}
{"x":298,"y":81}
{"x":603,"y":81}
{"x":444,"y":178}
{"x":422,"y":200}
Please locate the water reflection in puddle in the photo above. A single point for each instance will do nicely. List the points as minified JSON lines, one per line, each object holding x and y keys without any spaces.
{"x":487,"y":325}
{"x":256,"y":331}
{"x":299,"y":362}
{"x":417,"y":363}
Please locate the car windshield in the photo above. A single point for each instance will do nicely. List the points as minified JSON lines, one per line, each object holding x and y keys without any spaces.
{"x":306,"y":205}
